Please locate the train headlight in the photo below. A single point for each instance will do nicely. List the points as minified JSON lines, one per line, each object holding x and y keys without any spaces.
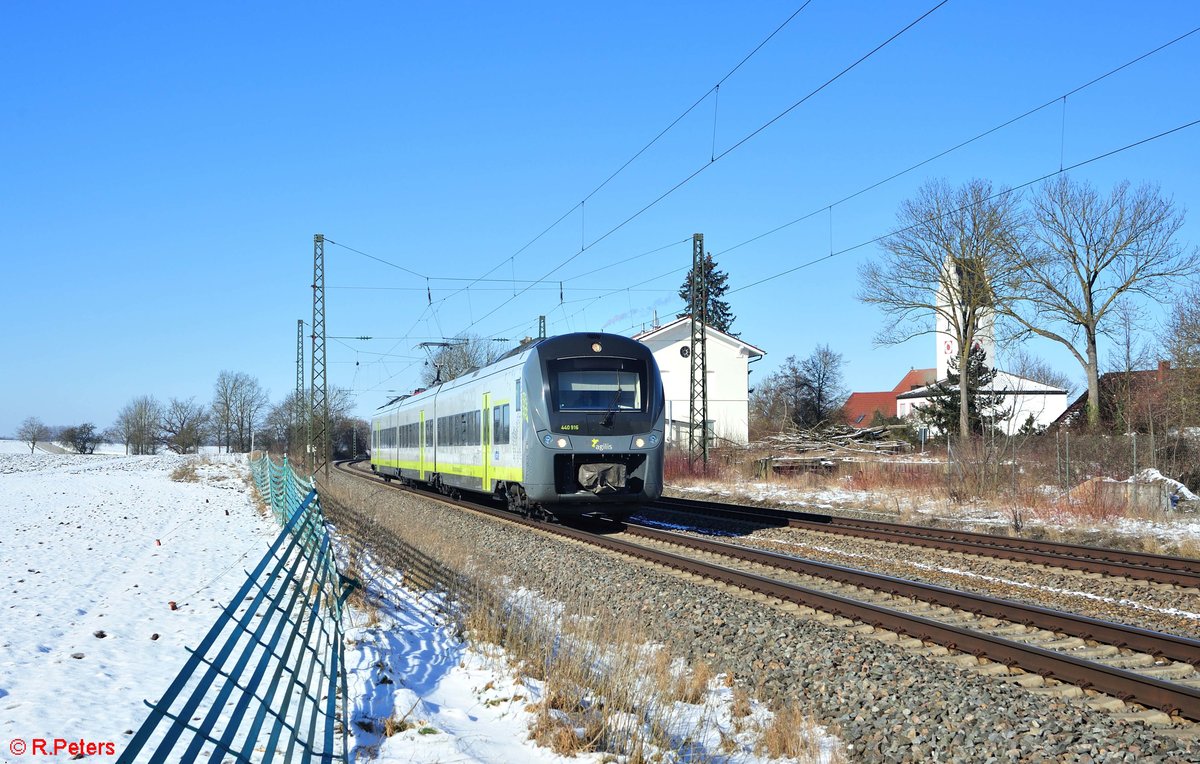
{"x":645,"y":441}
{"x":562,"y":442}
{"x":639,"y":442}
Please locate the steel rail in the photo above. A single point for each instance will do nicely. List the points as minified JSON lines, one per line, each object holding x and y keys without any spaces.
{"x":1156,"y":643}
{"x":1126,"y":685}
{"x":1178,"y":571}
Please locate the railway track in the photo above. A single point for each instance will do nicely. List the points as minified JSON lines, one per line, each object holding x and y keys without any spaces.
{"x":1021,"y":643}
{"x":1177,"y":571}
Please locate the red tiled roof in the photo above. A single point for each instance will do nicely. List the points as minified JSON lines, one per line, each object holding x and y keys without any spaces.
{"x":916,"y":378}
{"x":860,"y":408}
{"x":1114,"y":388}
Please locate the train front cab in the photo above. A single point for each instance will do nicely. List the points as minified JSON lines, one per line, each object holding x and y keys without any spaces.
{"x":596,"y":426}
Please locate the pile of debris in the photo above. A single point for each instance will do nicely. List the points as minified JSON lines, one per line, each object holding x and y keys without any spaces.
{"x":815,"y":450}
{"x":835,"y":440}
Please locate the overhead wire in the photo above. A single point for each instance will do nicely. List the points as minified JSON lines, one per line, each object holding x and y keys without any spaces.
{"x":606,"y":181}
{"x":962,"y":144}
{"x":1003,"y":192}
{"x":531,"y":283}
{"x":581,"y":204}
{"x":723,"y":154}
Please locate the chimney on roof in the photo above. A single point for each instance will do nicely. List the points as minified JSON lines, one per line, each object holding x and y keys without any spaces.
{"x":1164,"y":367}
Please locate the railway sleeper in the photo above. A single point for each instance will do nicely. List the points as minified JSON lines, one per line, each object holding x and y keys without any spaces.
{"x":1171,"y":672}
{"x":1150,"y":716}
{"x":1029,"y":681}
{"x":1096,"y":652}
{"x":1132,"y":662}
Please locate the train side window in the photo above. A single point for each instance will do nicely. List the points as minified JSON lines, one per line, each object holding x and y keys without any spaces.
{"x":517,"y":400}
{"x":500,"y":433}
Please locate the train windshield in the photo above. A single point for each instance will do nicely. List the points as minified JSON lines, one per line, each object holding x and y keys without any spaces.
{"x":598,"y":390}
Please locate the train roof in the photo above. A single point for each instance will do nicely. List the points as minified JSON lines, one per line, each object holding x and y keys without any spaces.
{"x":557,"y":343}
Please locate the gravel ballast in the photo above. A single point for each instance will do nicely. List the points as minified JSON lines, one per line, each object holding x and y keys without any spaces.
{"x":885,"y":703}
{"x":1159,"y":607}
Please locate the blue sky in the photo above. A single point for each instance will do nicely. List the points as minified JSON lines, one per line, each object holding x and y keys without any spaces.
{"x":165,"y":167}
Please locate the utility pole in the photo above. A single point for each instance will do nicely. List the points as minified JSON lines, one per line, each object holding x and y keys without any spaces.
{"x":298,"y":418}
{"x":318,"y":410}
{"x":698,"y":404}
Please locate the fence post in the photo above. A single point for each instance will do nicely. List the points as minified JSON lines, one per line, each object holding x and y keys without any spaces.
{"x":1133,"y":476}
{"x":1058,"y":460}
{"x":1067,"y":439}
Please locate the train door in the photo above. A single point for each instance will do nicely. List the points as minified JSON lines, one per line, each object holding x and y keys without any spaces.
{"x":485,"y":431}
{"x":421,"y":446}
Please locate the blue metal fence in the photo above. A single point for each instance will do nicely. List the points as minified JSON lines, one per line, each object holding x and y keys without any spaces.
{"x":264,"y":683}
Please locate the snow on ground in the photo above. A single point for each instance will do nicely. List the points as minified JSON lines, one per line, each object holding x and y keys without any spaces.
{"x":87,"y":633}
{"x":14,"y":447}
{"x":18,"y":447}
{"x":1172,"y":526}
{"x":455,"y":703}
{"x":95,"y":548}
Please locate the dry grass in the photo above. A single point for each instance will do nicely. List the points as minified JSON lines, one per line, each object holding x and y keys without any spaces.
{"x":692,"y":686}
{"x":741,"y":703}
{"x":185,"y":473}
{"x":792,"y":734}
{"x":984,"y":480}
{"x":602,"y":688}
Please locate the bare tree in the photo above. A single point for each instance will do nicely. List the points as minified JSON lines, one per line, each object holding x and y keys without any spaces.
{"x":183,"y":425}
{"x":459,"y":356}
{"x":769,"y":406}
{"x":250,"y":402}
{"x":805,"y":392}
{"x":949,"y":262}
{"x":285,"y":427}
{"x":32,"y":432}
{"x":1182,"y":345}
{"x":139,"y":424}
{"x":237,"y":407}
{"x":1182,"y":341}
{"x":822,"y":391}
{"x":1024,"y":364}
{"x":1085,"y":254}
{"x":222,"y":407}
{"x":82,"y":438}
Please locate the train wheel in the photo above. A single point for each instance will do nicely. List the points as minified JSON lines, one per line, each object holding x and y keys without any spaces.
{"x":517,"y":501}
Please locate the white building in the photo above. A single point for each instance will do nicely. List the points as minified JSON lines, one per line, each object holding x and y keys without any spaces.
{"x":728,"y":380}
{"x":1022,"y":397}
{"x":947,"y":342}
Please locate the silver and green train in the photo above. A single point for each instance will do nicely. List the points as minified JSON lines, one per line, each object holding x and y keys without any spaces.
{"x":564,"y":426}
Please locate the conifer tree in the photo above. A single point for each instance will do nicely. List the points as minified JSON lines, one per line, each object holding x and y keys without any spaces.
{"x":719,"y":316}
{"x":984,"y":408}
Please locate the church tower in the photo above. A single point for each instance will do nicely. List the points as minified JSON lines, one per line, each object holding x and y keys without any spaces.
{"x":944,"y":335}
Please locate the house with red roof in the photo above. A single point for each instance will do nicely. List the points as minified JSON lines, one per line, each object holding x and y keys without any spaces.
{"x":861,"y":408}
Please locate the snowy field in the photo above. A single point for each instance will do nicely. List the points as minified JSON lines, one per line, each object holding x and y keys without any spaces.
{"x":94,"y":550}
{"x":97,"y":547}
{"x":112,"y":449}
